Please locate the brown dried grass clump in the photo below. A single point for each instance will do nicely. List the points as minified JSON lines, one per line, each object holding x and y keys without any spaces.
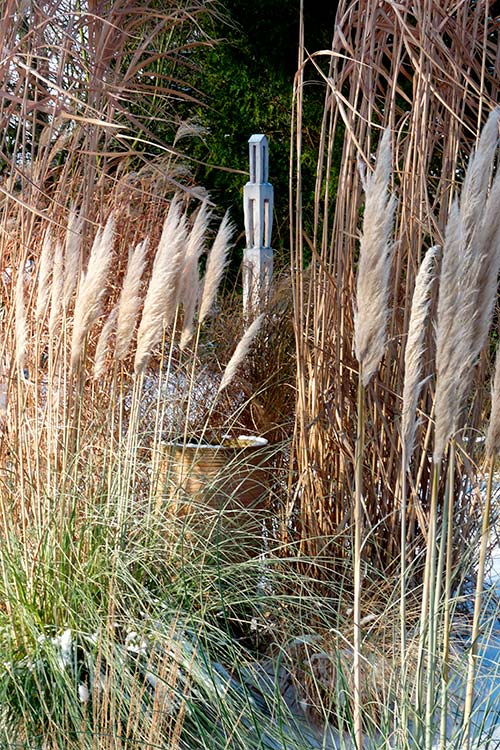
{"x":74,"y":153}
{"x":430,"y":75}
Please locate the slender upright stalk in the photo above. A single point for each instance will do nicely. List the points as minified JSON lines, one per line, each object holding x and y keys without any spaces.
{"x":358,"y":534}
{"x":425,"y":631}
{"x":448,"y":521}
{"x":469,"y":690}
{"x":402,"y":598}
{"x":433,"y":593}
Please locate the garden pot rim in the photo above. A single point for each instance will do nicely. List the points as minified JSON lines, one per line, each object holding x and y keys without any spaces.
{"x":228,"y":442}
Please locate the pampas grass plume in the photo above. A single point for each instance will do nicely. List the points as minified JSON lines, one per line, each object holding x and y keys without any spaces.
{"x":375,"y":258}
{"x":161,"y":297}
{"x":72,"y":256}
{"x":487,"y":264}
{"x":217,"y":261}
{"x":446,"y":332}
{"x":468,"y":286}
{"x":102,"y":344}
{"x":44,"y":275}
{"x":190,"y":283}
{"x":240,"y":352}
{"x":477,"y":176}
{"x":88,"y":305}
{"x":414,"y":351}
{"x":130,"y":300}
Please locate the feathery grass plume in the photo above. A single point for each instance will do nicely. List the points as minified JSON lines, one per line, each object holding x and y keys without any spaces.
{"x":45,"y":270}
{"x":468,"y":286}
{"x":57,"y":288}
{"x":477,"y":177}
{"x":487,"y":265}
{"x":481,"y":236}
{"x":20,"y":329}
{"x":375,"y":258}
{"x":102,"y":344}
{"x":161,"y":297}
{"x":189,"y":289}
{"x":446,"y":331}
{"x":130,"y":300}
{"x":88,"y":305}
{"x":414,"y":351}
{"x":216,"y":263}
{"x":72,"y":255}
{"x":240,"y":352}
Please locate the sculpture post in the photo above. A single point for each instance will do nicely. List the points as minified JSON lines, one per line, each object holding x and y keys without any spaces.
{"x":258,"y":200}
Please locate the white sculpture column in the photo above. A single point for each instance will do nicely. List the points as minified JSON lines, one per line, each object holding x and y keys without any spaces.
{"x":258,"y":199}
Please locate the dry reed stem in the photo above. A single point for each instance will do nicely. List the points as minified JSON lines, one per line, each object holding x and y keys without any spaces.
{"x":189,"y":289}
{"x":57,"y":289}
{"x":217,"y":261}
{"x":92,"y":289}
{"x":21,"y":320}
{"x":375,"y":258}
{"x":44,"y":275}
{"x":161,"y":297}
{"x":130,"y":300}
{"x":429,"y":76}
{"x":240,"y":352}
{"x":415,"y":350}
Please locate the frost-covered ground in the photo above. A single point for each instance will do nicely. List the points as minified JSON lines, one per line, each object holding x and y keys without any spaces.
{"x":485,"y":724}
{"x":486,"y":715}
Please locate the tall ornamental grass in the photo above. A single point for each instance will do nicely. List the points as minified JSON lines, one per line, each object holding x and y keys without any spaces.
{"x":355,"y":612}
{"x":118,"y":590}
{"x":391,"y":69}
{"x":393,"y":338}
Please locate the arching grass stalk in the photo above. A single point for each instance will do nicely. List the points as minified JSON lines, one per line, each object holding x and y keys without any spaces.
{"x":239,"y":355}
